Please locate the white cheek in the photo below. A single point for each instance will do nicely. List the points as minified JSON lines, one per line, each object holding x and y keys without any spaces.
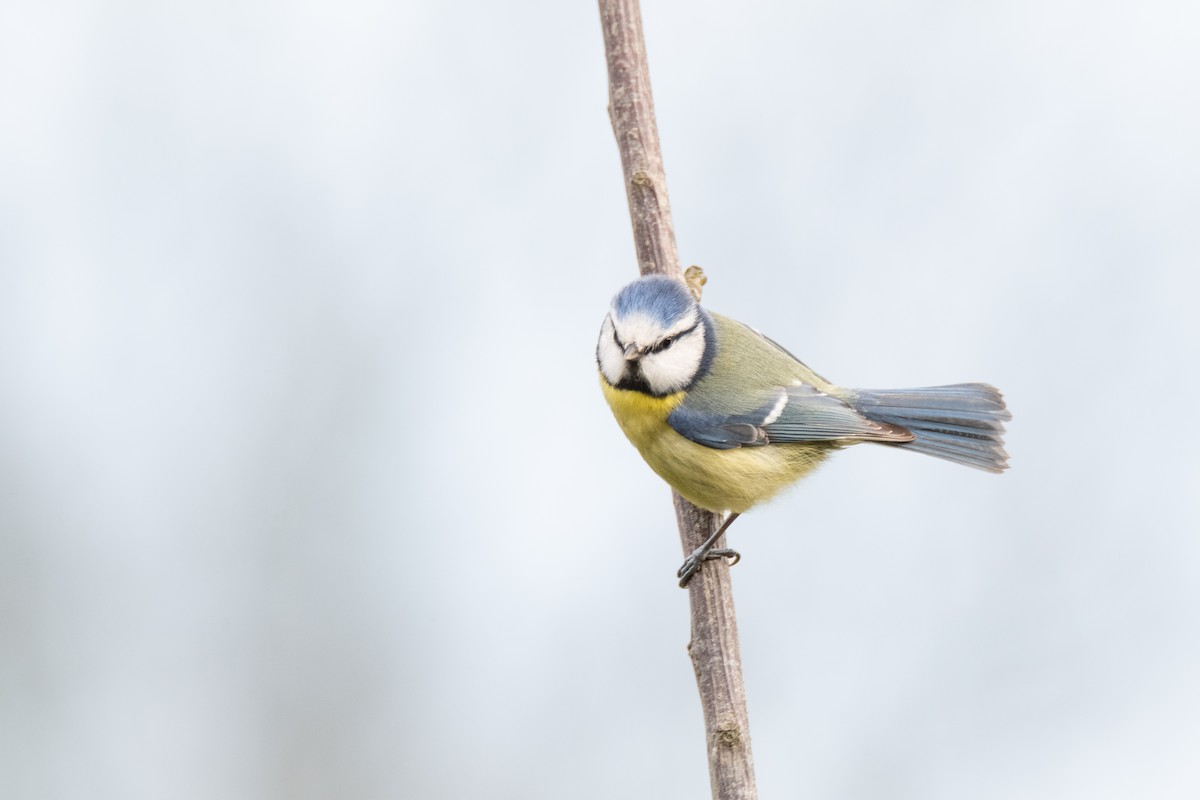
{"x":673,"y":369}
{"x":612,"y":360}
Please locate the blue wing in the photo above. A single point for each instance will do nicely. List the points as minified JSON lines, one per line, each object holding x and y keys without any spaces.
{"x":788,"y":415}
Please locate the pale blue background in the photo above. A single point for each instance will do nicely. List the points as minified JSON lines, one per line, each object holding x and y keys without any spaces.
{"x":307,"y":489}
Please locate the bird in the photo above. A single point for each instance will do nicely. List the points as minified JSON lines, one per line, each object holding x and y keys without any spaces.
{"x":729,"y":418}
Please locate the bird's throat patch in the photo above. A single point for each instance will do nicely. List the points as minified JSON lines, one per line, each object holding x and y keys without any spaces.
{"x":641,"y":416}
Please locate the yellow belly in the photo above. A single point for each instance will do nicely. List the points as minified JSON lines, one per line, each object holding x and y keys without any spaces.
{"x":718,"y":480}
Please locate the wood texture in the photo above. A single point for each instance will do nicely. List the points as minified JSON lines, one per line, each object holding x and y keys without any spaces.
{"x":631,"y":109}
{"x":714,"y":649}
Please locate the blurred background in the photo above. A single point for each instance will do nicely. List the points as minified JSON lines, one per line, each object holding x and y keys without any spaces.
{"x":307,"y":489}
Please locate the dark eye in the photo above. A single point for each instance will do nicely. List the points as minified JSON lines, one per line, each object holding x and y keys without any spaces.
{"x":664,"y":344}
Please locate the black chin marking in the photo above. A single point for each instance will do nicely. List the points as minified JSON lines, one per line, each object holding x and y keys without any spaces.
{"x":634,"y":381}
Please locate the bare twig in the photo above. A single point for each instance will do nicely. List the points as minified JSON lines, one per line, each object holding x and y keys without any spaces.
{"x":714,"y":648}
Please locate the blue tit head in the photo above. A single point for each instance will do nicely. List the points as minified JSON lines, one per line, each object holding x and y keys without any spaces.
{"x":655,"y":339}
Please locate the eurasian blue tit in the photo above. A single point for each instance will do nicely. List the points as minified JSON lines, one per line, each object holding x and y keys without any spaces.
{"x":729,"y":418}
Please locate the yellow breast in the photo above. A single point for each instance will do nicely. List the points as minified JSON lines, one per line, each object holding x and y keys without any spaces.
{"x":718,"y":480}
{"x":642,"y":417}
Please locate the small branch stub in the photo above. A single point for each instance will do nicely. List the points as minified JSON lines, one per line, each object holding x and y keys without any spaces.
{"x":693,"y":276}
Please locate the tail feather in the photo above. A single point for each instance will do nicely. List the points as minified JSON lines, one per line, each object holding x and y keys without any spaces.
{"x":963,"y":423}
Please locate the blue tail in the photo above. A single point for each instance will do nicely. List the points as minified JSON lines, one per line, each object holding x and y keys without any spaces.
{"x":963,"y":423}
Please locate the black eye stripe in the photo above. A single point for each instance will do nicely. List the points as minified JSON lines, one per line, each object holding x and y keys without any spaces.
{"x":670,"y":340}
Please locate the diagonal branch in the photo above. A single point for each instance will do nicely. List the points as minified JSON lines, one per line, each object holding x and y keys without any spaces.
{"x":714,"y":648}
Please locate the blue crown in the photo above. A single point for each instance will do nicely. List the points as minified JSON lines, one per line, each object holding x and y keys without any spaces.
{"x":663,"y":299}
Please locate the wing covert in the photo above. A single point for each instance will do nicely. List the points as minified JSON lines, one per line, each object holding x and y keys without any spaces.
{"x":791,"y":414}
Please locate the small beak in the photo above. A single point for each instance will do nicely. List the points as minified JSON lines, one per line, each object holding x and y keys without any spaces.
{"x":632,"y":353}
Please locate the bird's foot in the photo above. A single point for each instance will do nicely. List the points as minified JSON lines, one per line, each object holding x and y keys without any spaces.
{"x":692,"y":564}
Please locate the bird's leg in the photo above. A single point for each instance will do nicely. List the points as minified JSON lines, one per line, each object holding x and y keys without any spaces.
{"x":705,"y":552}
